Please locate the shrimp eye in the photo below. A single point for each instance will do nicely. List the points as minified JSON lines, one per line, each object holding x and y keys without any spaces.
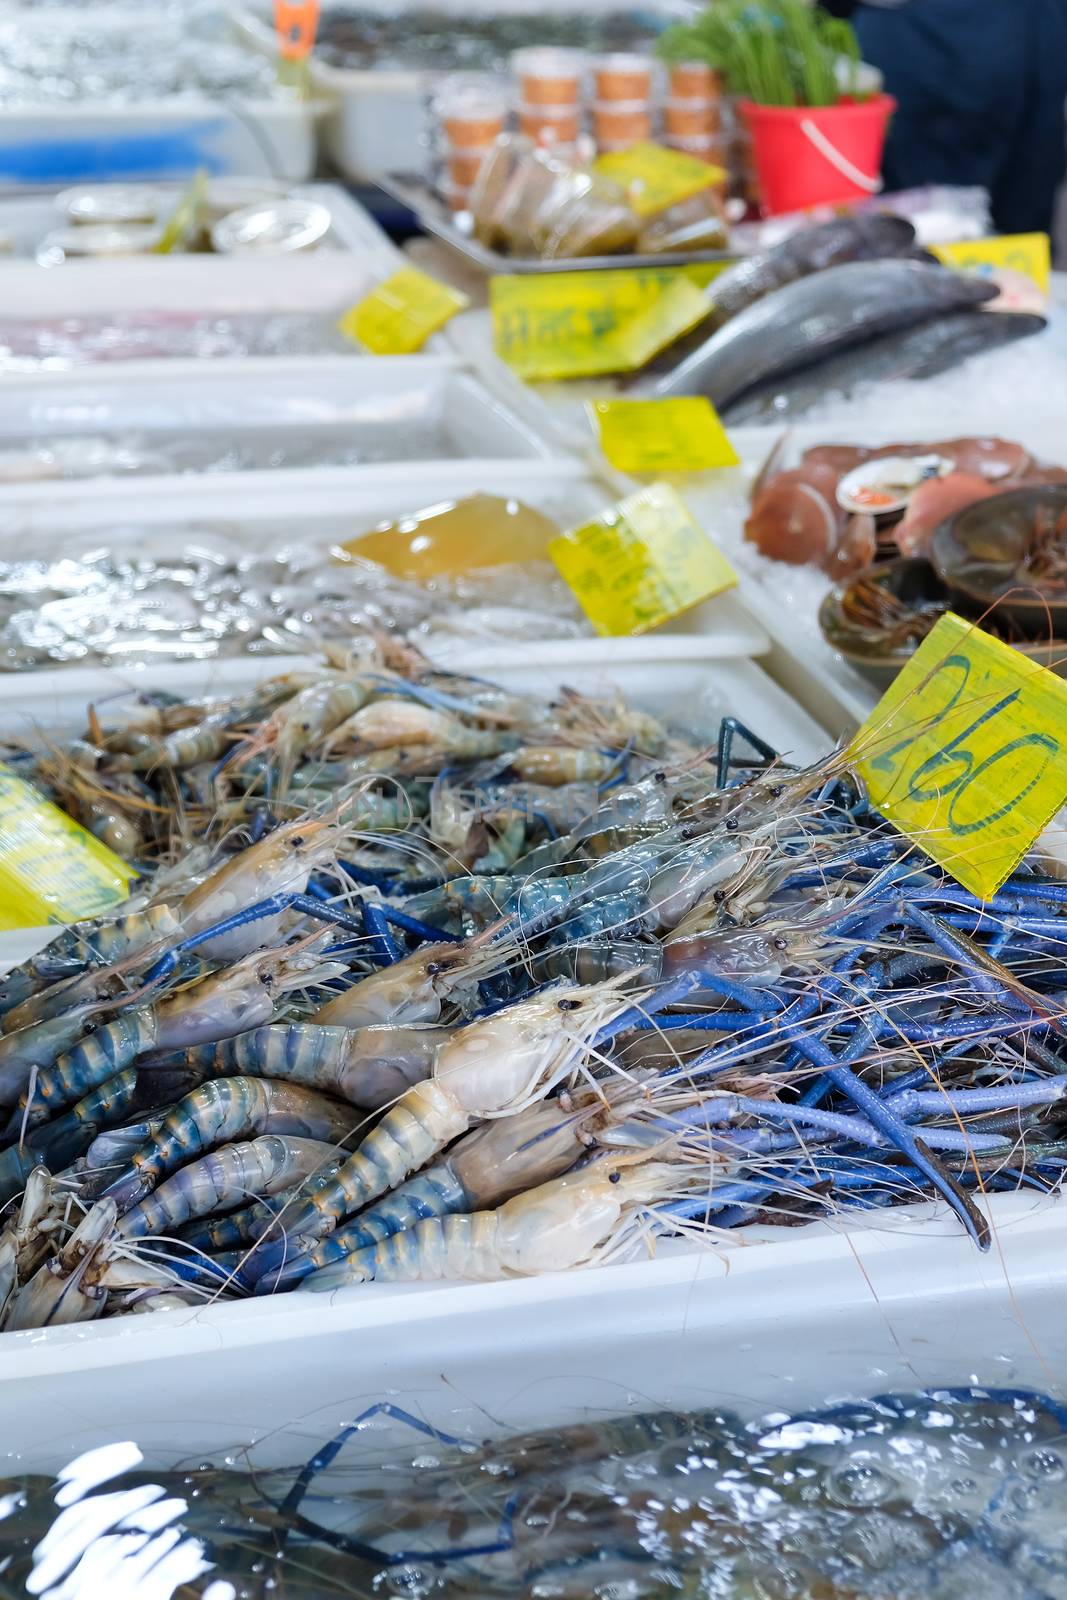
{"x":777,"y":791}
{"x":433,"y":968}
{"x":732,"y":824}
{"x":297,"y":842}
{"x":569,"y":1005}
{"x":780,"y":943}
{"x":659,"y":777}
{"x":614,"y":1177}
{"x":719,"y":896}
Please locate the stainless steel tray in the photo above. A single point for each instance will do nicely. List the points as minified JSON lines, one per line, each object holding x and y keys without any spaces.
{"x":436,"y":217}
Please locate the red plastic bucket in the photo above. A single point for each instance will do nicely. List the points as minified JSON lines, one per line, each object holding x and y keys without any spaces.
{"x":817,"y":155}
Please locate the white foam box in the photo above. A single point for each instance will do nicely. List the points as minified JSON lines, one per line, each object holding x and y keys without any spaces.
{"x":25,"y":219}
{"x":327,"y":282}
{"x":767,"y":1320}
{"x":320,"y":512}
{"x":336,"y":400}
{"x":164,"y":138}
{"x":762,"y":1319}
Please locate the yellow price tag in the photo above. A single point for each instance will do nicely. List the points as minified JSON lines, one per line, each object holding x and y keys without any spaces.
{"x":586,"y":324}
{"x":655,"y":177}
{"x":1028,"y":253}
{"x":966,"y":752}
{"x":681,"y":435}
{"x":641,"y":563}
{"x":51,"y":868}
{"x":399,"y":316}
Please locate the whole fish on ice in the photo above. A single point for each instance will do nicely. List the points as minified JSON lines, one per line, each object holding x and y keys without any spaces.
{"x":918,"y":352}
{"x":815,"y":318}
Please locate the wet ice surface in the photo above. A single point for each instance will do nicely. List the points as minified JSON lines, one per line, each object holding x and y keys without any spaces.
{"x":189,"y":593}
{"x":1019,"y":386}
{"x":130,"y":453}
{"x":58,"y":343}
{"x":938,"y":1496}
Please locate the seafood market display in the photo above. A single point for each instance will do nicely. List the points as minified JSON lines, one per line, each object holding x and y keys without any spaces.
{"x":910,"y":530}
{"x":918,"y":1496}
{"x":829,"y":309}
{"x":131,"y":599}
{"x":422,"y":978}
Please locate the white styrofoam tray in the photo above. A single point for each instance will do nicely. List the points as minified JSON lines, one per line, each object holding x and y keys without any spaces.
{"x":331,"y":399}
{"x":154,"y":138}
{"x":25,"y":219}
{"x":328,"y":283}
{"x":770,"y":1320}
{"x":767,"y":1318}
{"x":164,"y":138}
{"x":321,"y":511}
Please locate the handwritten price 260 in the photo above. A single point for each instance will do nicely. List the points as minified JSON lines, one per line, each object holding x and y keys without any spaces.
{"x":943,"y":783}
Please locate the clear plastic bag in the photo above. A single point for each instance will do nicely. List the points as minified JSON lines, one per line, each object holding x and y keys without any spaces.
{"x":531,"y":202}
{"x":698,"y":223}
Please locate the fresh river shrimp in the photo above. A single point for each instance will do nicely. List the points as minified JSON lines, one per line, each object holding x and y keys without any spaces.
{"x":490,"y":1068}
{"x":226,"y":1003}
{"x":567,"y":1222}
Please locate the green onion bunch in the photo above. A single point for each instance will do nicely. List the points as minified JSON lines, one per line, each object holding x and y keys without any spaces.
{"x":775,"y":52}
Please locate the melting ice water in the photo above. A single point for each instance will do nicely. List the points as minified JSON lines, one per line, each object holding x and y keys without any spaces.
{"x":947,"y":1495}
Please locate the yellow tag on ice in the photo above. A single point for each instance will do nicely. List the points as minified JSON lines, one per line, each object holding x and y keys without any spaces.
{"x":966,"y":752}
{"x":51,"y":869}
{"x":1028,"y":253}
{"x":641,"y":563}
{"x":399,"y":316}
{"x":585,"y":324}
{"x":655,"y":177}
{"x":682,"y":435}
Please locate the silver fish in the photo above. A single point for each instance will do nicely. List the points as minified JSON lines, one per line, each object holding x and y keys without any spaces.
{"x":832,"y":244}
{"x":862,"y":238}
{"x":815,"y":318}
{"x":919,"y":352}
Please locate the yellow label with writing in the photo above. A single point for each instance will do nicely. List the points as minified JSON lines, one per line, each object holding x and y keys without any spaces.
{"x":641,"y":563}
{"x":403,"y":311}
{"x":655,"y":177}
{"x":51,"y":868}
{"x":1028,"y":253}
{"x":585,"y":324}
{"x":680,"y":435}
{"x":966,"y":752}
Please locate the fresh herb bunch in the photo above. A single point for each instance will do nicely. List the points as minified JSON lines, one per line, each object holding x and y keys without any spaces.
{"x":775,"y":52}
